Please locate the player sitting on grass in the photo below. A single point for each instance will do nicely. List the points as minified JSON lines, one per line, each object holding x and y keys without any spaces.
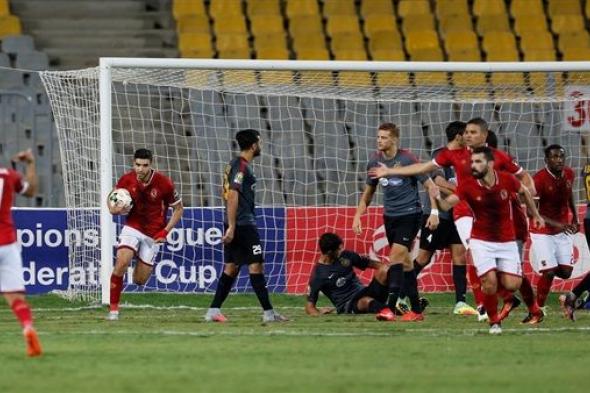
{"x":334,"y":276}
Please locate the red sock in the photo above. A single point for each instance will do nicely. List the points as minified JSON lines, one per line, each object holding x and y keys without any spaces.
{"x":475,"y":284}
{"x":116,"y":288}
{"x":504,"y":293}
{"x":528,"y":296}
{"x":22,"y":310}
{"x":543,"y":288}
{"x":491,"y":304}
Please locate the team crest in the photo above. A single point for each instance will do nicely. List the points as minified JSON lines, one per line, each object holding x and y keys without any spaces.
{"x":345,"y":262}
{"x":239,"y":178}
{"x":504,"y":194}
{"x":154,"y":194}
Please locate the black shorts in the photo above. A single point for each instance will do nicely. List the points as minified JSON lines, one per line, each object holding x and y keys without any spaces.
{"x":351,"y":306}
{"x":442,"y":237}
{"x":245,"y":248}
{"x":403,"y":229}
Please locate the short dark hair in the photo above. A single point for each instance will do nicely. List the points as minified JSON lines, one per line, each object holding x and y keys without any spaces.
{"x":553,"y":147}
{"x":392,"y":128}
{"x":486,"y":151}
{"x":330,"y":243}
{"x":478,"y":121}
{"x":246,"y":138}
{"x":143,"y":154}
{"x":455,"y":128}
{"x":492,"y":139}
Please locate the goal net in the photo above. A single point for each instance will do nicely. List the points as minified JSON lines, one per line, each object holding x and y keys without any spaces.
{"x":318,"y":127}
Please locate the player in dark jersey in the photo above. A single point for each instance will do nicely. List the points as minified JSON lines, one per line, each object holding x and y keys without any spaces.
{"x":145,"y":228}
{"x":12,"y":283}
{"x":241,"y":240}
{"x":334,"y":276}
{"x":401,"y":216}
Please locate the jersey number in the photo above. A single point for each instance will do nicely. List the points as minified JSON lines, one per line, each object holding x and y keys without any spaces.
{"x":256,"y":249}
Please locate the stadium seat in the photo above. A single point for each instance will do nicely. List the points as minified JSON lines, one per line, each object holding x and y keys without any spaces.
{"x":339,"y":7}
{"x":240,"y":53}
{"x":4,"y":8}
{"x":305,"y":25}
{"x":413,"y":7}
{"x":194,"y":42}
{"x":506,"y":53}
{"x":577,"y":54}
{"x":313,"y":54}
{"x":272,"y":53}
{"x":526,"y":8}
{"x":10,"y":25}
{"x":384,"y":40}
{"x":527,"y":23}
{"x":350,"y":54}
{"x":181,"y":8}
{"x":587,"y":9}
{"x":427,"y":55}
{"x":431,"y":78}
{"x":451,"y":7}
{"x":420,"y":40}
{"x":498,"y":41}
{"x":301,"y":7}
{"x":197,"y":53}
{"x":230,"y":24}
{"x":417,"y":23}
{"x":392,"y":79}
{"x":380,"y":22}
{"x":263,"y":7}
{"x":343,"y":24}
{"x":388,"y":55}
{"x":576,"y":40}
{"x":239,"y":77}
{"x":266,"y":24}
{"x":344,"y":41}
{"x":486,"y":24}
{"x":223,"y":8}
{"x":270,"y":40}
{"x":461,"y":41}
{"x":14,"y":44}
{"x":355,"y":79}
{"x":231,"y":42}
{"x":489,"y":7}
{"x":193,"y":24}
{"x":536,"y":40}
{"x":563,"y":7}
{"x":540,"y":55}
{"x":314,"y":78}
{"x":567,"y":23}
{"x":32,"y":60}
{"x":467,"y":79}
{"x":461,"y":22}
{"x":465,"y":55}
{"x":376,"y":7}
{"x":308,"y":41}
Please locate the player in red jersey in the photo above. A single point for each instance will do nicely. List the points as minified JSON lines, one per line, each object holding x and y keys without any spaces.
{"x":552,"y":246}
{"x":493,"y":238}
{"x":12,"y":284}
{"x":146,"y":227}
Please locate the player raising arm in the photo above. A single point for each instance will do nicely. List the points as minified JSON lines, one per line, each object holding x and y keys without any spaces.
{"x":145,"y":228}
{"x":12,"y":284}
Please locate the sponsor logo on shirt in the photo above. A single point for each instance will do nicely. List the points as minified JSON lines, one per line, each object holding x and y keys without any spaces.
{"x":392,"y":181}
{"x":341,"y":282}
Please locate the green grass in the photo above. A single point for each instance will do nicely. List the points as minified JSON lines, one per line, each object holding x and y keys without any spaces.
{"x":171,"y":349}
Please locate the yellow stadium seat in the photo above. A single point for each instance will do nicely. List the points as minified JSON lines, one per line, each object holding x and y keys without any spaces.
{"x":344,"y":41}
{"x":342,"y":24}
{"x":413,"y":7}
{"x":540,"y":55}
{"x":339,"y":7}
{"x":431,"y":78}
{"x":230,"y":24}
{"x":234,"y":54}
{"x":526,"y":7}
{"x":536,"y":40}
{"x":194,"y":41}
{"x":417,"y":23}
{"x":388,"y":55}
{"x":182,"y":8}
{"x":376,"y":7}
{"x":564,"y":7}
{"x":313,"y":54}
{"x":502,"y":54}
{"x":239,"y":77}
{"x":451,"y":7}
{"x":355,"y":79}
{"x":276,"y":78}
{"x":420,"y":40}
{"x":508,"y":79}
{"x":266,"y":24}
{"x":465,"y":55}
{"x":231,"y":42}
{"x":197,"y":53}
{"x":305,"y":25}
{"x":489,"y":7}
{"x":469,"y":79}
{"x":529,"y":23}
{"x":308,"y":41}
{"x":193,"y":24}
{"x":587,"y":9}
{"x":576,"y":40}
{"x":378,"y":23}
{"x":315,"y":78}
{"x":577,"y":54}
{"x":350,"y":54}
{"x":498,"y":40}
{"x":302,"y":7}
{"x":275,"y":53}
{"x":4,"y":8}
{"x":487,"y":24}
{"x":264,"y":7}
{"x":427,"y":55}
{"x":10,"y":25}
{"x":222,"y":8}
{"x":270,"y":41}
{"x":384,"y":40}
{"x":392,"y":79}
{"x":567,"y":23}
{"x":451,"y":23}
{"x":461,"y":41}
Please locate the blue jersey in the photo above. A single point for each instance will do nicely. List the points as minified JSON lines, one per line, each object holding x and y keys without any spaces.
{"x":400,"y":193}
{"x":238,"y":176}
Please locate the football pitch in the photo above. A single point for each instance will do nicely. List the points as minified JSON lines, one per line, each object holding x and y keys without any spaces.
{"x":162,"y":344}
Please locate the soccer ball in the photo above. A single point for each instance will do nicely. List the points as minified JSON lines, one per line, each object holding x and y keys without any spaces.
{"x":120,"y":197}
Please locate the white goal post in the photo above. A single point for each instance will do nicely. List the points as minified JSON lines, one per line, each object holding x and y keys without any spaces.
{"x":278,"y":95}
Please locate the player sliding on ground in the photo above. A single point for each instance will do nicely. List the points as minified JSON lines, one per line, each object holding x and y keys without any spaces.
{"x":493,"y":239}
{"x":145,"y":228}
{"x":334,"y":276}
{"x":12,"y":284}
{"x":241,"y":240}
